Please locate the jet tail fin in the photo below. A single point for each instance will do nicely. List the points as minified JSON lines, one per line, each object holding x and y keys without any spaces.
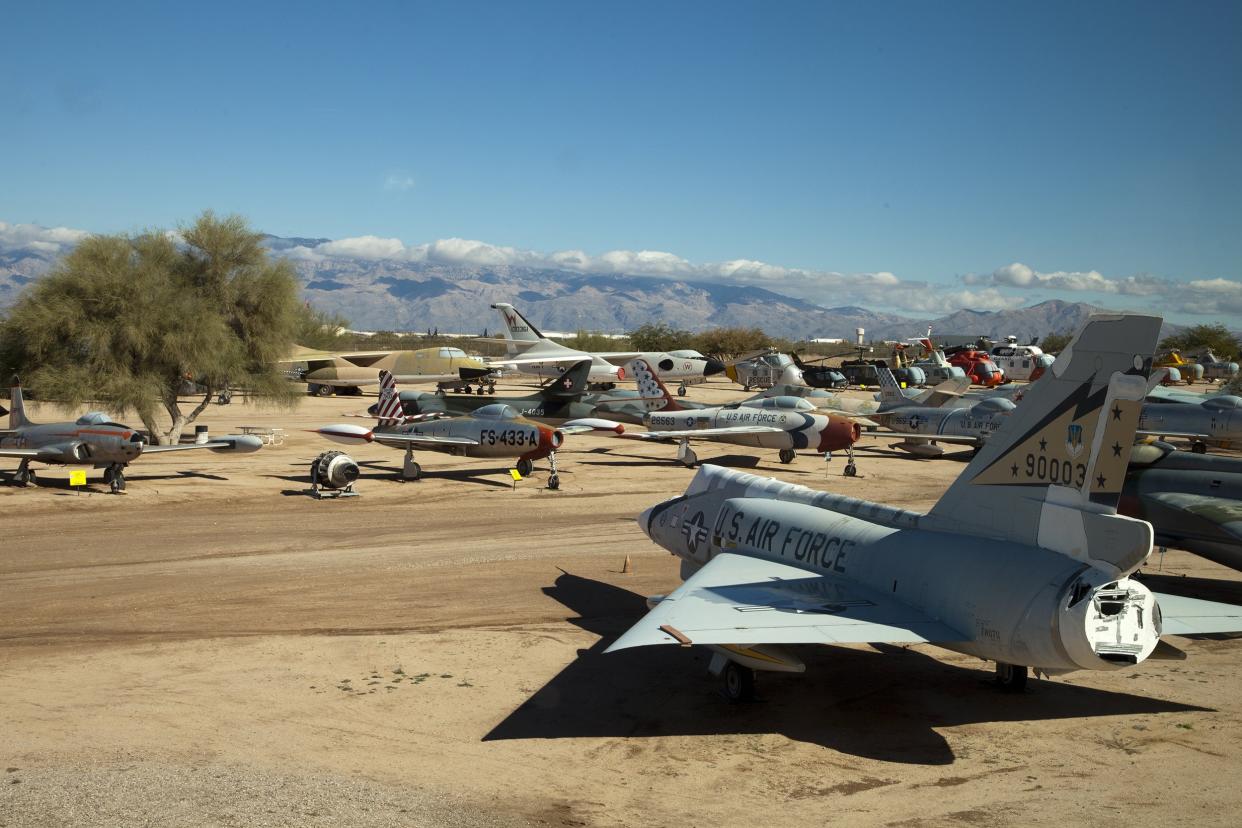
{"x":17,"y":406}
{"x":651,"y":389}
{"x":572,"y":383}
{"x":890,"y":391}
{"x":517,"y":328}
{"x":388,"y":410}
{"x":1051,"y":476}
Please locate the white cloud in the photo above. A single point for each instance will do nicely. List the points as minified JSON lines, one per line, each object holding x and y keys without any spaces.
{"x":362,"y":247}
{"x":1018,"y":275}
{"x":398,"y":182}
{"x":39,"y":239}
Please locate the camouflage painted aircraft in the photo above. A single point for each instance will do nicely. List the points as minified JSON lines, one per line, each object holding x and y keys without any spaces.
{"x":782,"y":423}
{"x":493,"y":430}
{"x":561,"y":399}
{"x":91,"y":440}
{"x":937,"y":416}
{"x":1193,"y":501}
{"x":1215,"y":368}
{"x":326,"y":374}
{"x":1023,"y":561}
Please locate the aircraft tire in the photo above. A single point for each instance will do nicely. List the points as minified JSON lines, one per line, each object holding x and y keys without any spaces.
{"x":1198,"y":447}
{"x":681,"y":391}
{"x":525,"y":466}
{"x":491,"y":389}
{"x":321,"y":390}
{"x":1010,"y":678}
{"x":554,"y":482}
{"x":787,"y":455}
{"x":851,"y":470}
{"x":738,"y":683}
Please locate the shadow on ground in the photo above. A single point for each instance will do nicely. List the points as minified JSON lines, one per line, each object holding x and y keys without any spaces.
{"x":885,"y":703}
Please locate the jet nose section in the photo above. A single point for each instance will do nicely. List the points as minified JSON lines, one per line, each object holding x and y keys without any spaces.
{"x":713,"y":366}
{"x":644,"y":521}
{"x":838,"y":433}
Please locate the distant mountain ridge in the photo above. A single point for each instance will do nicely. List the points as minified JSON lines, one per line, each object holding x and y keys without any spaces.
{"x":386,"y":294}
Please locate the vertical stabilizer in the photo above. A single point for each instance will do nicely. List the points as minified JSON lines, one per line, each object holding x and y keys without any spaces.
{"x":651,"y":389}
{"x":570,"y":384}
{"x":388,"y":411}
{"x":890,"y":390}
{"x":17,"y":407}
{"x":1052,"y":474}
{"x":517,"y":328}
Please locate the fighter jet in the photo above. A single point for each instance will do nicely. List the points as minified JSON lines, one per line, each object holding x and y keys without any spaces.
{"x":1023,"y":561}
{"x":1193,"y":501}
{"x":1215,"y":368}
{"x":494,"y":430}
{"x":326,"y":374}
{"x":533,"y":353}
{"x":91,"y":440}
{"x":937,"y":416}
{"x":782,"y":423}
{"x":1216,"y":421}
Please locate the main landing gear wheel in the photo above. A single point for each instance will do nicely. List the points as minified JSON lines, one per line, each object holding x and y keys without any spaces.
{"x":114,"y":476}
{"x":1198,"y":447}
{"x":322,"y":390}
{"x":1011,"y":678}
{"x":686,"y":455}
{"x":25,"y":475}
{"x":681,"y":391}
{"x":554,"y":482}
{"x":410,"y":470}
{"x":738,"y":682}
{"x":525,"y":466}
{"x":787,"y":455}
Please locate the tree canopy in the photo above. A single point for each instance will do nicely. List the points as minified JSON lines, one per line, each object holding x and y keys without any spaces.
{"x":1199,"y":338}
{"x":131,"y":322}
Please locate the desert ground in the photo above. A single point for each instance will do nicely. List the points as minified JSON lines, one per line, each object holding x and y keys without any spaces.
{"x":216,"y":647}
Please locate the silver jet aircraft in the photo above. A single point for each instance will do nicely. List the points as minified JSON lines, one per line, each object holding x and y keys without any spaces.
{"x":1216,"y":421}
{"x":782,"y":423}
{"x":91,"y":440}
{"x":937,"y":416}
{"x":533,"y":353}
{"x":1023,"y":561}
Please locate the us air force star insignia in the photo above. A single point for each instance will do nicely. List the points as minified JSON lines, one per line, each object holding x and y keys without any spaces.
{"x":1116,"y":449}
{"x":1116,"y":411}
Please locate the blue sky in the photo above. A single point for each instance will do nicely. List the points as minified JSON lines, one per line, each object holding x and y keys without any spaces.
{"x":999,"y":152}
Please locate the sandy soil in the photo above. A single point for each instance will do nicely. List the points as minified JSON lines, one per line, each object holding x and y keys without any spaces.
{"x":216,"y":647}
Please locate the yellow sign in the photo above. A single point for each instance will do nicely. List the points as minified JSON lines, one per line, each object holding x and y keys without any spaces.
{"x":515,"y":475}
{"x":77,"y":478}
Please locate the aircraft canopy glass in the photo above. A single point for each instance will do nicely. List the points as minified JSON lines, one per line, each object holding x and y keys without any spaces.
{"x":448,"y":353}
{"x":783,"y":403}
{"x":1224,"y":403}
{"x":995,"y":404}
{"x":96,"y":418}
{"x":497,"y":411}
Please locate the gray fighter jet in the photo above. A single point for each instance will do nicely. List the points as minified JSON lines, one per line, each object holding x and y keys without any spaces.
{"x":1216,"y":421}
{"x":1193,"y":501}
{"x":1023,"y":561}
{"x":91,"y":440}
{"x":937,"y":416}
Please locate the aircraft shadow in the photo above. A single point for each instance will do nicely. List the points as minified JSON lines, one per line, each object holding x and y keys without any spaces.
{"x":883,"y":704}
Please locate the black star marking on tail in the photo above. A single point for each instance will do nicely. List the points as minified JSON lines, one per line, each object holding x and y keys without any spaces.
{"x":1100,"y":479}
{"x":1043,"y":444}
{"x":1116,"y":411}
{"x":1014,"y":469}
{"x":1116,"y":449}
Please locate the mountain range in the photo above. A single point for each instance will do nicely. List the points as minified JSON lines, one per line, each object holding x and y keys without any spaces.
{"x":389,"y":294}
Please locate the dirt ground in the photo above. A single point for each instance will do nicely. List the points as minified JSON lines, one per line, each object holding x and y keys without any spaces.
{"x":217,"y":647}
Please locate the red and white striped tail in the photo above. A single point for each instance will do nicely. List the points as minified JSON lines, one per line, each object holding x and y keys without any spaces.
{"x":389,"y":408}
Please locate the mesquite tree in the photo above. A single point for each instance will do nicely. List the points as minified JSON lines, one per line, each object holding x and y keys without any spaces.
{"x":133,"y":322}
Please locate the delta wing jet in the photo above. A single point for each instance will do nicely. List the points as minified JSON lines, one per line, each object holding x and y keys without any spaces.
{"x":782,"y":423}
{"x":91,"y":440}
{"x":1038,"y":578}
{"x":937,"y":416}
{"x":494,"y":430}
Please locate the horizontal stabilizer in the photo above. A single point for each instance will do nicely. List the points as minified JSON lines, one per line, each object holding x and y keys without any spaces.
{"x":1192,"y":616}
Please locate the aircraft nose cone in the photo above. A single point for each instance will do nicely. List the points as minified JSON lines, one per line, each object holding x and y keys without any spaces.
{"x":713,"y":366}
{"x":644,"y":521}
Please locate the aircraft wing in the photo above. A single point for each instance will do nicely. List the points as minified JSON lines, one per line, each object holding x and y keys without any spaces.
{"x":1187,"y":435}
{"x":1192,"y":616}
{"x":619,"y":357}
{"x":928,"y":438}
{"x":242,"y":442}
{"x":1223,"y":514}
{"x":426,"y":440}
{"x":705,"y":433}
{"x":572,"y":357}
{"x":736,"y":599}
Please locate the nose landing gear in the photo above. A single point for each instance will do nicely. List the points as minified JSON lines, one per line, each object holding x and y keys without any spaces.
{"x":25,"y":475}
{"x":114,"y":476}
